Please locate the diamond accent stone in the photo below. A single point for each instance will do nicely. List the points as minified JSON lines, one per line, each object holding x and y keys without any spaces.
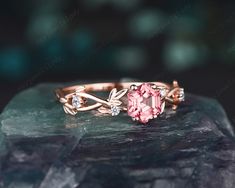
{"x":163,"y":92}
{"x":115,"y":110}
{"x":76,"y":102}
{"x":182,"y":96}
{"x":144,"y":103}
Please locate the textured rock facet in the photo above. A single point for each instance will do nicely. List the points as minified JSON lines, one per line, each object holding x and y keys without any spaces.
{"x":42,"y":147}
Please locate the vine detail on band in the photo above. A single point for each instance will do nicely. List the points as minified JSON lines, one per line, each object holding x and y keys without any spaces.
{"x":113,"y":105}
{"x":114,"y":102}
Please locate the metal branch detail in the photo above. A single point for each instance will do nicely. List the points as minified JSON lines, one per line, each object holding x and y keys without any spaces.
{"x":113,"y":105}
{"x":144,"y":101}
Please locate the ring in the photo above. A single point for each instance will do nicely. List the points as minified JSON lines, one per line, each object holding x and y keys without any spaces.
{"x":142,"y":101}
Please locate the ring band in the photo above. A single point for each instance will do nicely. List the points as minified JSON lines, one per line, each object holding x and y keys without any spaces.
{"x":145,"y":101}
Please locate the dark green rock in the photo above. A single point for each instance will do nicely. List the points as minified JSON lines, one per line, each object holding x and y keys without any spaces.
{"x":41,"y":147}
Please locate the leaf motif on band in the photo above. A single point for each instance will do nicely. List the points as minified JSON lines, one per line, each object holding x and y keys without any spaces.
{"x":114,"y":95}
{"x":104,"y":110}
{"x":110,"y":106}
{"x":114,"y":102}
{"x":69,"y":111}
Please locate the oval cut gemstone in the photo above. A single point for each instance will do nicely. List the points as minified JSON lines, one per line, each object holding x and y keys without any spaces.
{"x":144,"y":103}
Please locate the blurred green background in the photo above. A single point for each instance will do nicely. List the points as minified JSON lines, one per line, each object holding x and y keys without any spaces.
{"x":64,"y":40}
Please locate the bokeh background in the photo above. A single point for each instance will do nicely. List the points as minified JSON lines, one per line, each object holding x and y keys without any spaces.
{"x":67,"y":40}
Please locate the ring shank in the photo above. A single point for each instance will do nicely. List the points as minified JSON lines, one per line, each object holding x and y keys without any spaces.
{"x":98,"y":87}
{"x":87,"y":101}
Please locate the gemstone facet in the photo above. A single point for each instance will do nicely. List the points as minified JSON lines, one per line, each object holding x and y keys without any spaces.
{"x":76,"y":102}
{"x":144,"y":103}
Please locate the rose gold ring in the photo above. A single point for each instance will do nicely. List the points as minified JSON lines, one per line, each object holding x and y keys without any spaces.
{"x":142,"y":101}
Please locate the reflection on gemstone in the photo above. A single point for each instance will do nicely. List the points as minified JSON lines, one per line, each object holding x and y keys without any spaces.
{"x":115,"y":110}
{"x":76,"y":102}
{"x":144,"y":103}
{"x":163,"y":92}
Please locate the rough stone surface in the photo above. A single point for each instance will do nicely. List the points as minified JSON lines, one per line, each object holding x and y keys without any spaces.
{"x":41,"y":147}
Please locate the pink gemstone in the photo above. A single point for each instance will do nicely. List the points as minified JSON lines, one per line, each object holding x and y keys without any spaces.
{"x":144,"y":103}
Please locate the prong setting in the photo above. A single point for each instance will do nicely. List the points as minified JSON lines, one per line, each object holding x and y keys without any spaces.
{"x":133,"y":87}
{"x":154,"y":86}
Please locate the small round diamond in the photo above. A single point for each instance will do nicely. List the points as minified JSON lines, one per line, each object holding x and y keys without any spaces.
{"x":181,"y":94}
{"x":76,"y":102}
{"x":163,"y":92}
{"x":115,"y":110}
